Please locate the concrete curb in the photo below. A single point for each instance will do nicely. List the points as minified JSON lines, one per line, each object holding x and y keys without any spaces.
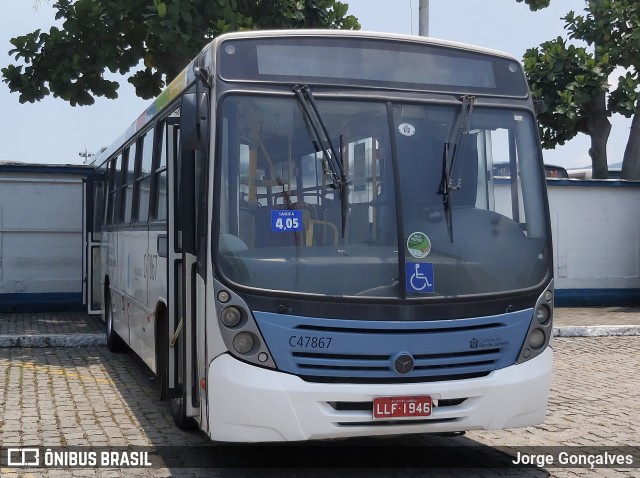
{"x":597,"y":331}
{"x":99,"y":340}
{"x":53,"y":340}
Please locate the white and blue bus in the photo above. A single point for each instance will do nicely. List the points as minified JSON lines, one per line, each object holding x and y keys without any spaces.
{"x":303,"y":238}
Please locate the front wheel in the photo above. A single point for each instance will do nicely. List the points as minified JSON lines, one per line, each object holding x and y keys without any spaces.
{"x":179,"y":399}
{"x":114,"y":342}
{"x":162,"y":350}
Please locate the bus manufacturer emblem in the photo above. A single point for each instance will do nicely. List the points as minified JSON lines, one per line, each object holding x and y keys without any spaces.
{"x":403,"y":363}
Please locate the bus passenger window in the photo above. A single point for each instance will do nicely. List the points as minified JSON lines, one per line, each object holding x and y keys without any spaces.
{"x":127,"y":188}
{"x":160,"y":176}
{"x":143,"y":181}
{"x":115,"y":193}
{"x":110,"y":186}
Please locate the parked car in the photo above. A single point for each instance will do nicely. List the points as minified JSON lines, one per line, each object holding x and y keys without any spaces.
{"x":503,"y":170}
{"x":587,"y":173}
{"x":557,"y":172}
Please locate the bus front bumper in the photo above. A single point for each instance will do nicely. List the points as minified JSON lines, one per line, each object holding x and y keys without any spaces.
{"x":252,"y":404}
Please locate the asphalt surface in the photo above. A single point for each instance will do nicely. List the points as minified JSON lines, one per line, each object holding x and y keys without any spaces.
{"x":84,"y":396}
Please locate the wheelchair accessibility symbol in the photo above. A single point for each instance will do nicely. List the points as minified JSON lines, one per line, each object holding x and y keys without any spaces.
{"x":419,"y":277}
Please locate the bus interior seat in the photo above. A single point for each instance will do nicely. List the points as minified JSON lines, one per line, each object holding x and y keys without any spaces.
{"x":230,"y":244}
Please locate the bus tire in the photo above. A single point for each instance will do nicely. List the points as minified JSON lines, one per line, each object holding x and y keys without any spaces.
{"x":115,"y":344}
{"x":178,"y":411}
{"x":162,"y":351}
{"x":178,"y":404}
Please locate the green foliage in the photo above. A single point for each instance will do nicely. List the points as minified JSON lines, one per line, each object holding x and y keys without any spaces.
{"x":624,"y":99}
{"x":535,"y":4}
{"x":566,"y":77}
{"x":572,"y":79}
{"x":156,"y":38}
{"x":613,"y":28}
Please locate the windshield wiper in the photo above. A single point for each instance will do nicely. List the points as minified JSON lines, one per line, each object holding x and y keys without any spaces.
{"x":323,"y":143}
{"x":449,"y":155}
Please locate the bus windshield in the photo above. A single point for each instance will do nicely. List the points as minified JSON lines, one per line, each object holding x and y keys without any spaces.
{"x":283,"y":228}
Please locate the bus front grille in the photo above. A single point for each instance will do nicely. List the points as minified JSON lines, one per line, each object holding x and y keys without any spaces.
{"x":378,"y":366}
{"x":345,"y":351}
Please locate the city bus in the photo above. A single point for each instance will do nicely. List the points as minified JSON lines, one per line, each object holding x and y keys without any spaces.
{"x":303,"y":239}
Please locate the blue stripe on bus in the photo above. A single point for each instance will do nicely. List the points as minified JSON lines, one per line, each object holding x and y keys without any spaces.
{"x":333,"y":348}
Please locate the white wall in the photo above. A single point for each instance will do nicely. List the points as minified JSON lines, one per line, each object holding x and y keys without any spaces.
{"x":40,"y":233}
{"x":596,"y":234}
{"x":595,"y":227}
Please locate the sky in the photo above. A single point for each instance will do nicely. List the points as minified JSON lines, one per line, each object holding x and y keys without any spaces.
{"x":52,"y":132}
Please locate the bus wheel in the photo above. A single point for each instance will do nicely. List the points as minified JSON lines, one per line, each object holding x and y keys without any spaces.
{"x":162,"y":351}
{"x":179,"y":400}
{"x":114,"y":342}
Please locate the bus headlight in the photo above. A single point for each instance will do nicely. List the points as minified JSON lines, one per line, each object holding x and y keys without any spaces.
{"x":239,"y":330}
{"x":231,"y":316}
{"x":543,"y":314}
{"x":536,"y":339}
{"x":243,"y":343}
{"x":541,"y":327}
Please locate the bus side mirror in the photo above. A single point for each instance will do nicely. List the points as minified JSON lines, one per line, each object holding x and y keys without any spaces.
{"x":539,"y":107}
{"x":194,"y":121}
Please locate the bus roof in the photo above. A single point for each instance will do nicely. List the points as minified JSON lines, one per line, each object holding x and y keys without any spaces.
{"x":362,"y":34}
{"x":186,"y":76}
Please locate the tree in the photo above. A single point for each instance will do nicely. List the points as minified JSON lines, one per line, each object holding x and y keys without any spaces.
{"x":613,"y":27}
{"x":573,"y":81}
{"x":157,"y":39}
{"x":535,"y":4}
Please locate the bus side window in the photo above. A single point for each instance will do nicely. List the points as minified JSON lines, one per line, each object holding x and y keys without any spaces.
{"x":159,"y":206}
{"x":99,"y":207}
{"x":128,"y":174}
{"x":143,"y":180}
{"x":109,"y":187}
{"x":114,"y":193}
{"x":200,"y":204}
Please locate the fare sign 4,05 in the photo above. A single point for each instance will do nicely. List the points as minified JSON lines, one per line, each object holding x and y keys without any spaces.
{"x":402,"y":407}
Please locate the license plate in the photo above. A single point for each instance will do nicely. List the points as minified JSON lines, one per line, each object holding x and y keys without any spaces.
{"x":402,"y":407}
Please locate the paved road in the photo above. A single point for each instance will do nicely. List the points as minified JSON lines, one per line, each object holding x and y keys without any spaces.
{"x":87,"y":396}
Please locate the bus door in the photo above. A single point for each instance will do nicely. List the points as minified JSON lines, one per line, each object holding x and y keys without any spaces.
{"x":93,"y":214}
{"x":182,"y":297}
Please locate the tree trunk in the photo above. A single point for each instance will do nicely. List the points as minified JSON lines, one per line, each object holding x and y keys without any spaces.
{"x":599,"y":128}
{"x":631,"y":159}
